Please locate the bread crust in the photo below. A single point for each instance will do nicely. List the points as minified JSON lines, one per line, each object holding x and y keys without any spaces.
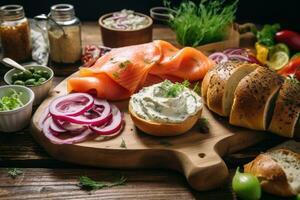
{"x":271,"y":175}
{"x":287,"y":109}
{"x":218,"y":80}
{"x":252,"y":98}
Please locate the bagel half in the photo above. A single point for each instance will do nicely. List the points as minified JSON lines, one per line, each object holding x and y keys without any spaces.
{"x":164,"y":129}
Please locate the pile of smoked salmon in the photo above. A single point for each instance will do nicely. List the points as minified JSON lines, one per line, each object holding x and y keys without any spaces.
{"x":123,"y":71}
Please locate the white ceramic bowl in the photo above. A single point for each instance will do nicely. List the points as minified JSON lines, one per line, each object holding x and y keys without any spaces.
{"x":15,"y":120}
{"x":40,"y":91}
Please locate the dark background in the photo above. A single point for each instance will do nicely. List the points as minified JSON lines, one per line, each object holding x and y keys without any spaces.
{"x":285,"y":12}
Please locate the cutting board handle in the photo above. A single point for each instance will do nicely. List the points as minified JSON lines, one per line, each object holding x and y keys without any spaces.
{"x":204,"y":170}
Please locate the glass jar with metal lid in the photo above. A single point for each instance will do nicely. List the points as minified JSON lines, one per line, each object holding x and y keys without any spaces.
{"x":64,"y":33}
{"x":15,"y":33}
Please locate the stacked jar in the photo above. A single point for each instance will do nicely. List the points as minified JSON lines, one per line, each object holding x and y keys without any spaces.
{"x":64,"y":32}
{"x":15,"y":33}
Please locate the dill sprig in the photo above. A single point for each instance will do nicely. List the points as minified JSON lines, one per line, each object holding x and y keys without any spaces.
{"x":14,"y":172}
{"x":87,"y":183}
{"x":207,"y":22}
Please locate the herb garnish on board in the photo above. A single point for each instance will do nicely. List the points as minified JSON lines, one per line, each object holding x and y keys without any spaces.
{"x":207,"y":22}
{"x":14,"y":172}
{"x":89,"y":184}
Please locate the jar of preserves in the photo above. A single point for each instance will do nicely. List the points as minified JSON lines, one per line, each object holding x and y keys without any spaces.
{"x":64,"y":33}
{"x":15,"y":33}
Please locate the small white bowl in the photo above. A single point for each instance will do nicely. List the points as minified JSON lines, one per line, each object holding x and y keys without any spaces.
{"x":15,"y":120}
{"x":40,"y":91}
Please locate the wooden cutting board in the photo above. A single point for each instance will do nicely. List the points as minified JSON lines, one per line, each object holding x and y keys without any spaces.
{"x":197,"y":155}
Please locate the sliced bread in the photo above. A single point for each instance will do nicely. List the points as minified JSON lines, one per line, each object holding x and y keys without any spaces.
{"x":278,"y":172}
{"x":253,"y":97}
{"x":287,"y":109}
{"x":222,"y":84}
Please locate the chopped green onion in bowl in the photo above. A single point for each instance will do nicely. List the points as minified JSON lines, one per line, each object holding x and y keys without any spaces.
{"x":11,"y":101}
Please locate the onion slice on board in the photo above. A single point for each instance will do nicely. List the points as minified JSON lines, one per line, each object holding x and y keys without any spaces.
{"x":218,"y":57}
{"x":71,"y":104}
{"x":101,"y":119}
{"x":113,"y":126}
{"x":55,"y":140}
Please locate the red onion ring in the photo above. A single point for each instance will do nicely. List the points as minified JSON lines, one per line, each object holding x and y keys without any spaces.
{"x":239,"y":57}
{"x":68,"y":126}
{"x":81,"y":119}
{"x":235,"y":51}
{"x":45,"y":115}
{"x":71,"y":104}
{"x":218,"y":57}
{"x":55,"y":140}
{"x":114,"y":126}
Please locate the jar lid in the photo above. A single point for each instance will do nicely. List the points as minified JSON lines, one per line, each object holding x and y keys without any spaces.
{"x":62,"y":12}
{"x":11,"y":12}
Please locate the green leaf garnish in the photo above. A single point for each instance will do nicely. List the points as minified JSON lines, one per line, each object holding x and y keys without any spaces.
{"x":124,"y":64}
{"x":123,"y":144}
{"x":116,"y":75}
{"x":267,"y":35}
{"x":14,"y":172}
{"x":89,"y":184}
{"x":204,"y":23}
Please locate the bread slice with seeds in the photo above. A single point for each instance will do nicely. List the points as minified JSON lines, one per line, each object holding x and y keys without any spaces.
{"x":278,"y":172}
{"x":253,"y":98}
{"x":222,"y":85}
{"x":287,"y":109}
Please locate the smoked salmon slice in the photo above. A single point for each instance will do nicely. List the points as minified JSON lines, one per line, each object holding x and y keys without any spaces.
{"x":123,"y":71}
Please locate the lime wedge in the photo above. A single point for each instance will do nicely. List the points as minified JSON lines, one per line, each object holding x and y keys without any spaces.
{"x":296,"y":55}
{"x":278,"y":60}
{"x":279,"y":47}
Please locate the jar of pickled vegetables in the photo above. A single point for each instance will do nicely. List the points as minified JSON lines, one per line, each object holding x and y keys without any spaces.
{"x":15,"y":33}
{"x":64,"y":33}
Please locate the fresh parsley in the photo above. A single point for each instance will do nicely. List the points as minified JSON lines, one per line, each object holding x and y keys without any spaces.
{"x":14,"y":172}
{"x":267,"y":34}
{"x":87,"y":183}
{"x":123,"y":144}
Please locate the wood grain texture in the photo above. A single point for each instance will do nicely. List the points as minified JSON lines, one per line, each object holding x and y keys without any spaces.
{"x":196,"y":155}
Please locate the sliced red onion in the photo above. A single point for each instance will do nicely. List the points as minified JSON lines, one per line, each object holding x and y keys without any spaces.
{"x":50,"y":134}
{"x":45,"y":115}
{"x":218,"y":57}
{"x":253,"y":60}
{"x":54,"y":127}
{"x":239,"y":58}
{"x":100,"y":119}
{"x":68,"y":126}
{"x":113,"y":126}
{"x":71,"y":104}
{"x":235,"y":51}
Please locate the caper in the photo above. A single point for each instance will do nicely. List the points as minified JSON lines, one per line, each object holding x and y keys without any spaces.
{"x":45,"y":74}
{"x":42,"y":80}
{"x":30,"y":81}
{"x":14,"y":77}
{"x":19,"y":82}
{"x":36,"y":76}
{"x":31,"y":69}
{"x":20,"y":75}
{"x":39,"y":72}
{"x":27,"y":74}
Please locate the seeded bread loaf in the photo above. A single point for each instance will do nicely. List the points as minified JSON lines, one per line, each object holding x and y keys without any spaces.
{"x":287,"y":109}
{"x":253,"y":97}
{"x":278,"y":172}
{"x":223,"y":81}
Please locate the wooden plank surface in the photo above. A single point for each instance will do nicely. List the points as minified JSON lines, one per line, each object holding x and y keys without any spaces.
{"x":47,"y":178}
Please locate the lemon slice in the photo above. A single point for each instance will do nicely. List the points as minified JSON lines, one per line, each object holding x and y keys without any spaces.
{"x":278,"y":60}
{"x":279,"y":47}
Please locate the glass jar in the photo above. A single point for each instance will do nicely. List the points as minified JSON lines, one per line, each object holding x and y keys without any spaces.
{"x":15,"y":33}
{"x":64,"y":33}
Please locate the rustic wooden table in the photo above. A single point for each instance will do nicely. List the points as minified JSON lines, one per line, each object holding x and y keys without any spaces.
{"x":46,"y":178}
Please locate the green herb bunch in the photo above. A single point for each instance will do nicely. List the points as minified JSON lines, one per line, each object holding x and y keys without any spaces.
{"x":267,"y":35}
{"x":197,"y":25}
